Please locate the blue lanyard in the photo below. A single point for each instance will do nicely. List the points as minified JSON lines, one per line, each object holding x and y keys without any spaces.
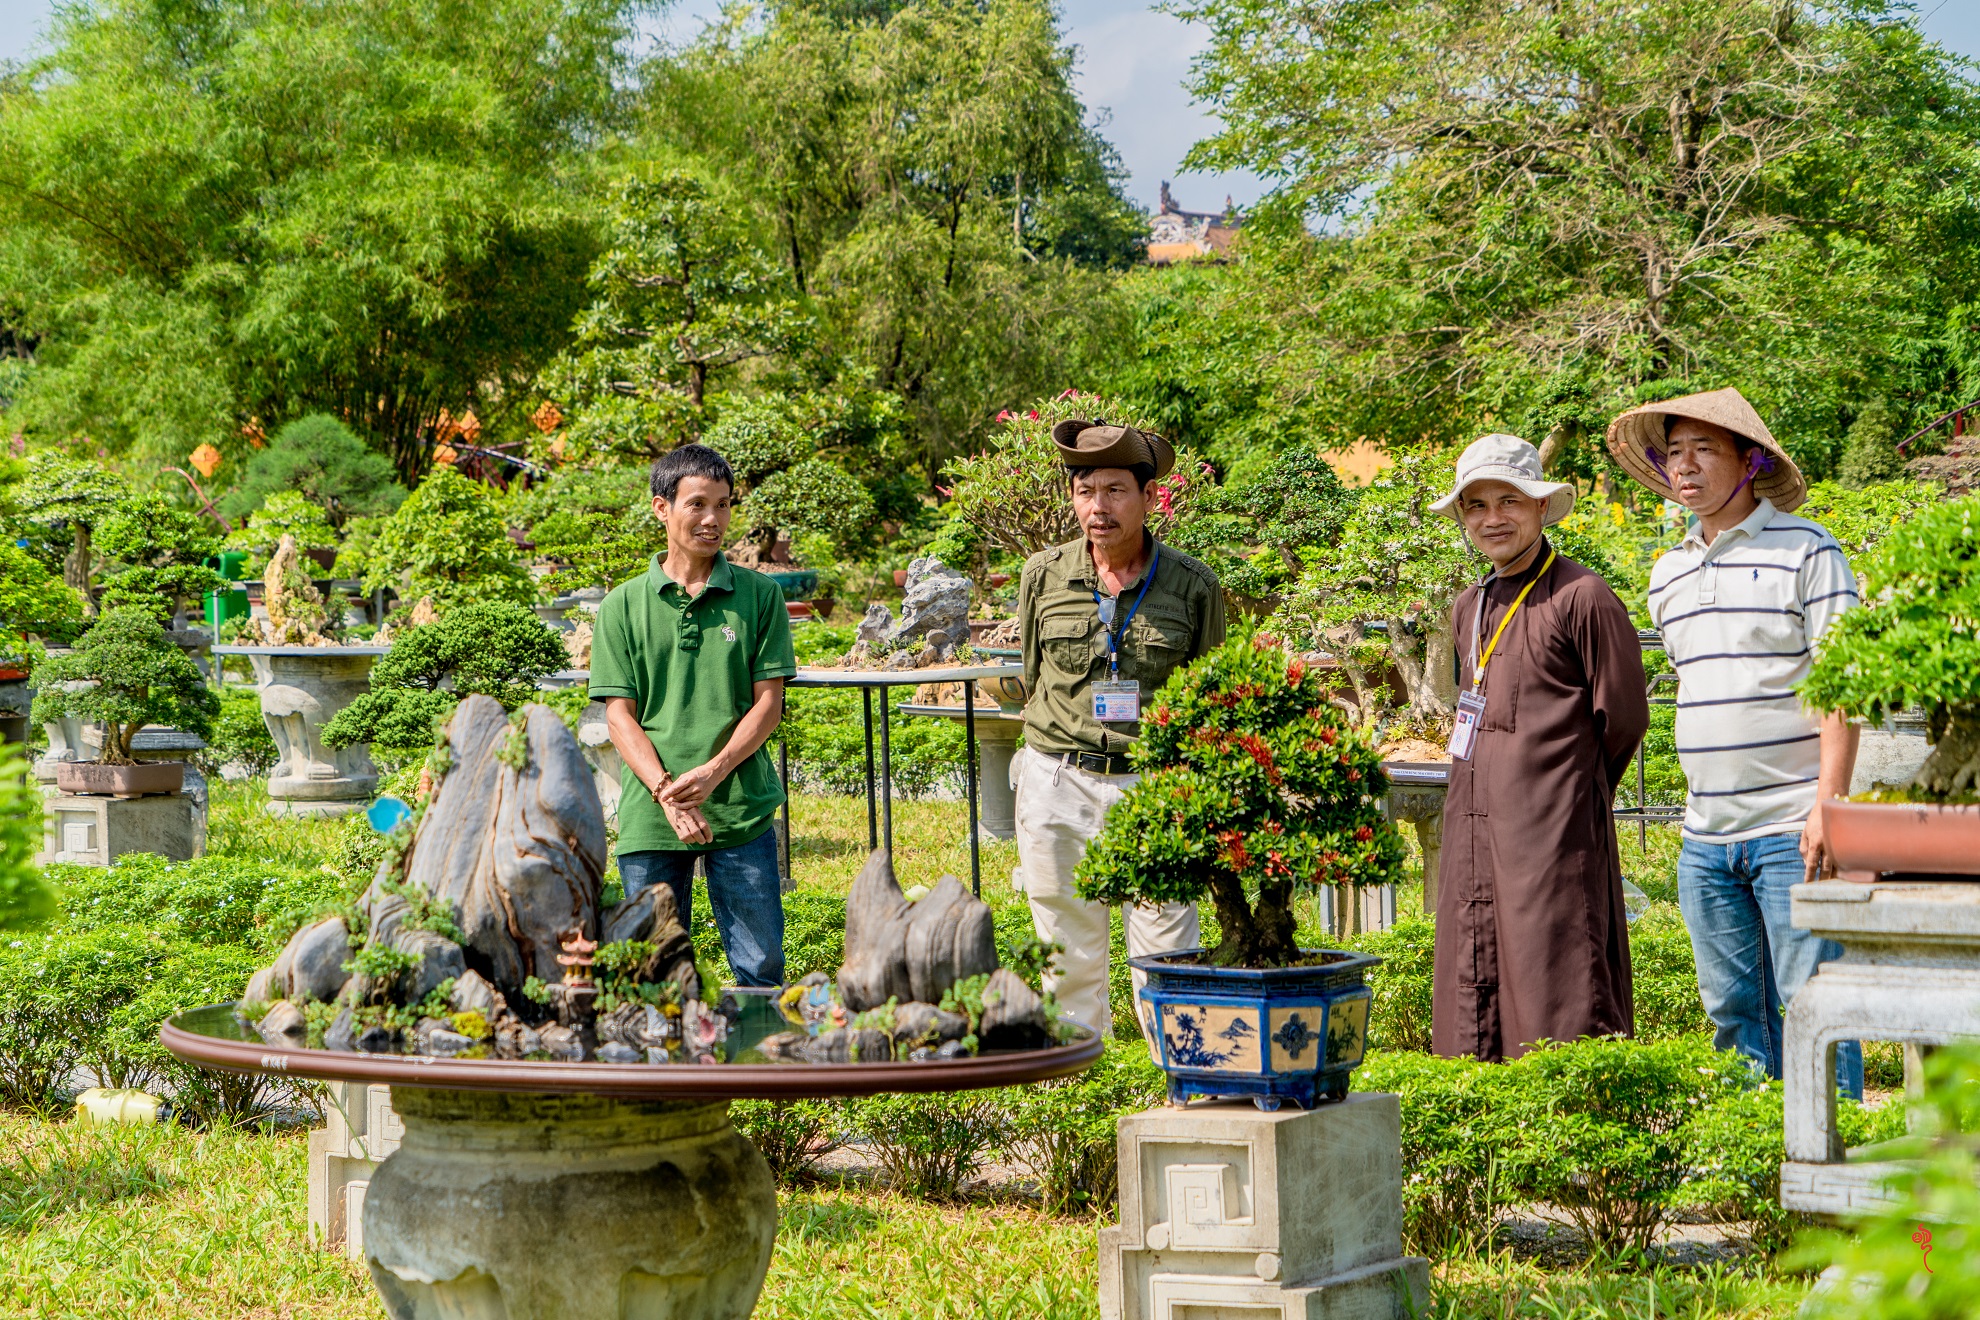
{"x":1114,"y":633}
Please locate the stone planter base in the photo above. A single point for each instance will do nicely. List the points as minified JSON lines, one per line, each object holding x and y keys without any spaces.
{"x":96,"y":831}
{"x":1227,"y":1212}
{"x":302,"y":688}
{"x":359,"y":1131}
{"x":514,"y":1207}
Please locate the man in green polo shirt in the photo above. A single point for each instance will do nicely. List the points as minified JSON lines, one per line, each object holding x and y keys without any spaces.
{"x":690,"y":660}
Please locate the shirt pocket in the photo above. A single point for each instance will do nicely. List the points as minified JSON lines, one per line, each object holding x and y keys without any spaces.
{"x":1068,"y":643}
{"x":1159,"y":641}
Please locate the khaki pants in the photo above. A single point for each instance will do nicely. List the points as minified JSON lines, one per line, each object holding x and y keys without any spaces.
{"x":1059,"y":811}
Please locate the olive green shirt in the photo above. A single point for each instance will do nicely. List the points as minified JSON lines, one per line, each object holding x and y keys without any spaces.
{"x":691,"y":665}
{"x":1065,"y":647}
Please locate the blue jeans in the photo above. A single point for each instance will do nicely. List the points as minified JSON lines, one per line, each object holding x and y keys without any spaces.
{"x":745,"y":890}
{"x":1751,"y":961}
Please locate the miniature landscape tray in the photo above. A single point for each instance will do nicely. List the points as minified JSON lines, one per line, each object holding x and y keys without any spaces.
{"x":214,"y":1037}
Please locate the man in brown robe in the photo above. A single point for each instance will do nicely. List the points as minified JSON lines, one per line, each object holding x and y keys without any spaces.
{"x":1532,"y":942}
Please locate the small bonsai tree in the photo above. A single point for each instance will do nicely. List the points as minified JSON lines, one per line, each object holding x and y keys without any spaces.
{"x":159,"y":550}
{"x":1259,"y":533}
{"x":1252,"y":785}
{"x":124,"y":674}
{"x":787,"y":488}
{"x":64,"y":500}
{"x":286,"y":512}
{"x":447,"y":542}
{"x":321,"y":460}
{"x":33,"y":601}
{"x":1915,"y":643}
{"x":594,"y":525}
{"x":497,"y":648}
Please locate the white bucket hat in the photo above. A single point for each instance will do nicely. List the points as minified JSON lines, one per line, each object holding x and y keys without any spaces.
{"x":1509,"y":459}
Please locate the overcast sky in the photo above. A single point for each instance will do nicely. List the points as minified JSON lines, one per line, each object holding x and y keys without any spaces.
{"x":1132,"y":64}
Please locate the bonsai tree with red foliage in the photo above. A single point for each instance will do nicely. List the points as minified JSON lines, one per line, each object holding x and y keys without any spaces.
{"x":1253,"y":784}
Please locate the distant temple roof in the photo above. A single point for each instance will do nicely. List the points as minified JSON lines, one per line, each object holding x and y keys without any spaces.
{"x":1178,"y":235}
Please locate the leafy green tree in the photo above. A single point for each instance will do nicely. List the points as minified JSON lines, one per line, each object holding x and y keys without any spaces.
{"x":323,"y":461}
{"x":32,"y":600}
{"x":1860,"y":518}
{"x":1870,"y":453}
{"x":595,"y":525}
{"x":447,"y":542}
{"x":231,"y":209}
{"x":496,"y":648}
{"x":1383,"y":595}
{"x":931,"y":185}
{"x":682,"y":295}
{"x":127,"y":674}
{"x":63,"y":500}
{"x":1259,"y":534}
{"x":25,"y":897}
{"x":159,"y":550}
{"x":1745,"y":189}
{"x":786,"y":487}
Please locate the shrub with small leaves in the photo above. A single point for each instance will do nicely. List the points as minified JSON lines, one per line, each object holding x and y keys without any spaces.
{"x":1065,"y":1133}
{"x":1252,"y":783}
{"x":791,"y":1135}
{"x":928,"y":1145}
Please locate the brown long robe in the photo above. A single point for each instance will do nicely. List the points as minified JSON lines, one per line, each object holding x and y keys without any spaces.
{"x":1532,"y":942}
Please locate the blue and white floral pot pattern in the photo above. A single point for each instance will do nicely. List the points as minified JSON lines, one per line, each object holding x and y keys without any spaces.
{"x":1272,"y":1034}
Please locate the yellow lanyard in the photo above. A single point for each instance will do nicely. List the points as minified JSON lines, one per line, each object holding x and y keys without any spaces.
{"x":1478,"y":670}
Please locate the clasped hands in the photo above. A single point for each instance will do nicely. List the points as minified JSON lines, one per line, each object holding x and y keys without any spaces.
{"x":681,"y":799}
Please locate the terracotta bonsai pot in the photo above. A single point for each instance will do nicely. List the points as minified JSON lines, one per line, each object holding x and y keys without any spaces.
{"x":1869,"y":839}
{"x":124,"y":781}
{"x":797,"y":609}
{"x":900,"y":577}
{"x":998,"y":580}
{"x":324,"y":559}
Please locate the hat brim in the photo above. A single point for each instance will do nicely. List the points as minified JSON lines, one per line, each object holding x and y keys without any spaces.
{"x":1645,"y":429}
{"x":1130,"y":445}
{"x":1558,"y":494}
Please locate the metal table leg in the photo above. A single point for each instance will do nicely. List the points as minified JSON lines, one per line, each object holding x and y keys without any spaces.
{"x":872,"y":817}
{"x":969,"y":763}
{"x":886,"y":771}
{"x":784,"y":812}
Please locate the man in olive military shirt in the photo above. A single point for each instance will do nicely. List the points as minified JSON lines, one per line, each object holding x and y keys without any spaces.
{"x":1104,"y":620}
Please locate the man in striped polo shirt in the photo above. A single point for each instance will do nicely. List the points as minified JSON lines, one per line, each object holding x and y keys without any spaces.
{"x":1741,"y":604}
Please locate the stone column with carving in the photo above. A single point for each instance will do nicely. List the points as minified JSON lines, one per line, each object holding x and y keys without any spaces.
{"x":302,"y":688}
{"x":1284,"y":1216}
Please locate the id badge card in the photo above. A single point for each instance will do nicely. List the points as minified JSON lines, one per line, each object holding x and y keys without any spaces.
{"x":1117,"y":702}
{"x":1470,"y":709}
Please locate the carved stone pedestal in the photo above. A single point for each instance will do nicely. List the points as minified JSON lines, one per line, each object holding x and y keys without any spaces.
{"x":1232,"y":1214}
{"x":88,"y":830}
{"x":518,"y":1207}
{"x":360,"y":1130}
{"x":1910,"y":972}
{"x":302,"y":688}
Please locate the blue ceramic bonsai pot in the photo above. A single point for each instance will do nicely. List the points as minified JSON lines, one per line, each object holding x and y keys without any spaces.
{"x":796,"y":583}
{"x":1272,"y":1035}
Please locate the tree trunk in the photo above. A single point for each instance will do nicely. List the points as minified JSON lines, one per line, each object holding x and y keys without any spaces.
{"x":1258,"y":935}
{"x":1555,"y":446}
{"x":1954,"y":765}
{"x":75,"y":567}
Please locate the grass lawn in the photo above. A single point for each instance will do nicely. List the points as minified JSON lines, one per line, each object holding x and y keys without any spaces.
{"x":165,"y":1223}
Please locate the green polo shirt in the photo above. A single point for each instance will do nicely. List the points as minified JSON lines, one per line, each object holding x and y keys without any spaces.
{"x":690,"y":664}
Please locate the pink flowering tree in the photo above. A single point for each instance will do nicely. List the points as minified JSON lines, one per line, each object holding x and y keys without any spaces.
{"x":1253,"y":785}
{"x":1010,"y":499}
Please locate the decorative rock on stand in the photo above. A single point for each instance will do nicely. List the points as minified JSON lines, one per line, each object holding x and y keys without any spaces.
{"x":1232,"y":1214}
{"x":302,"y":689}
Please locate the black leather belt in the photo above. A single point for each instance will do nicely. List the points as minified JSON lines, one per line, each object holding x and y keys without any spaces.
{"x":1096,"y":763}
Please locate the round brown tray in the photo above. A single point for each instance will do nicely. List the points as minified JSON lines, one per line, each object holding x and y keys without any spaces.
{"x":211,"y":1036}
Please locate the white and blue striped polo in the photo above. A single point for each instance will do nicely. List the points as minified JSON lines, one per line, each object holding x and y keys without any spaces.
{"x":1740,"y":618}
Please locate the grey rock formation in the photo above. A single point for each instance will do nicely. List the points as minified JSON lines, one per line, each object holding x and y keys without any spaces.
{"x":1013,"y":1015}
{"x":262,"y":987}
{"x":937,"y":600}
{"x":879,"y":621}
{"x":342,"y":1033}
{"x":317,"y":954}
{"x":925,"y":1024}
{"x":910,"y":951}
{"x":283,"y":1026}
{"x":439,"y":960}
{"x":473,"y":994}
{"x":652,"y":917}
{"x":516,"y":852}
{"x":560,"y":1042}
{"x":613,"y":1052}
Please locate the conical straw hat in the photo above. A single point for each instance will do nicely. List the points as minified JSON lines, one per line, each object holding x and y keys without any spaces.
{"x":1637,"y":439}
